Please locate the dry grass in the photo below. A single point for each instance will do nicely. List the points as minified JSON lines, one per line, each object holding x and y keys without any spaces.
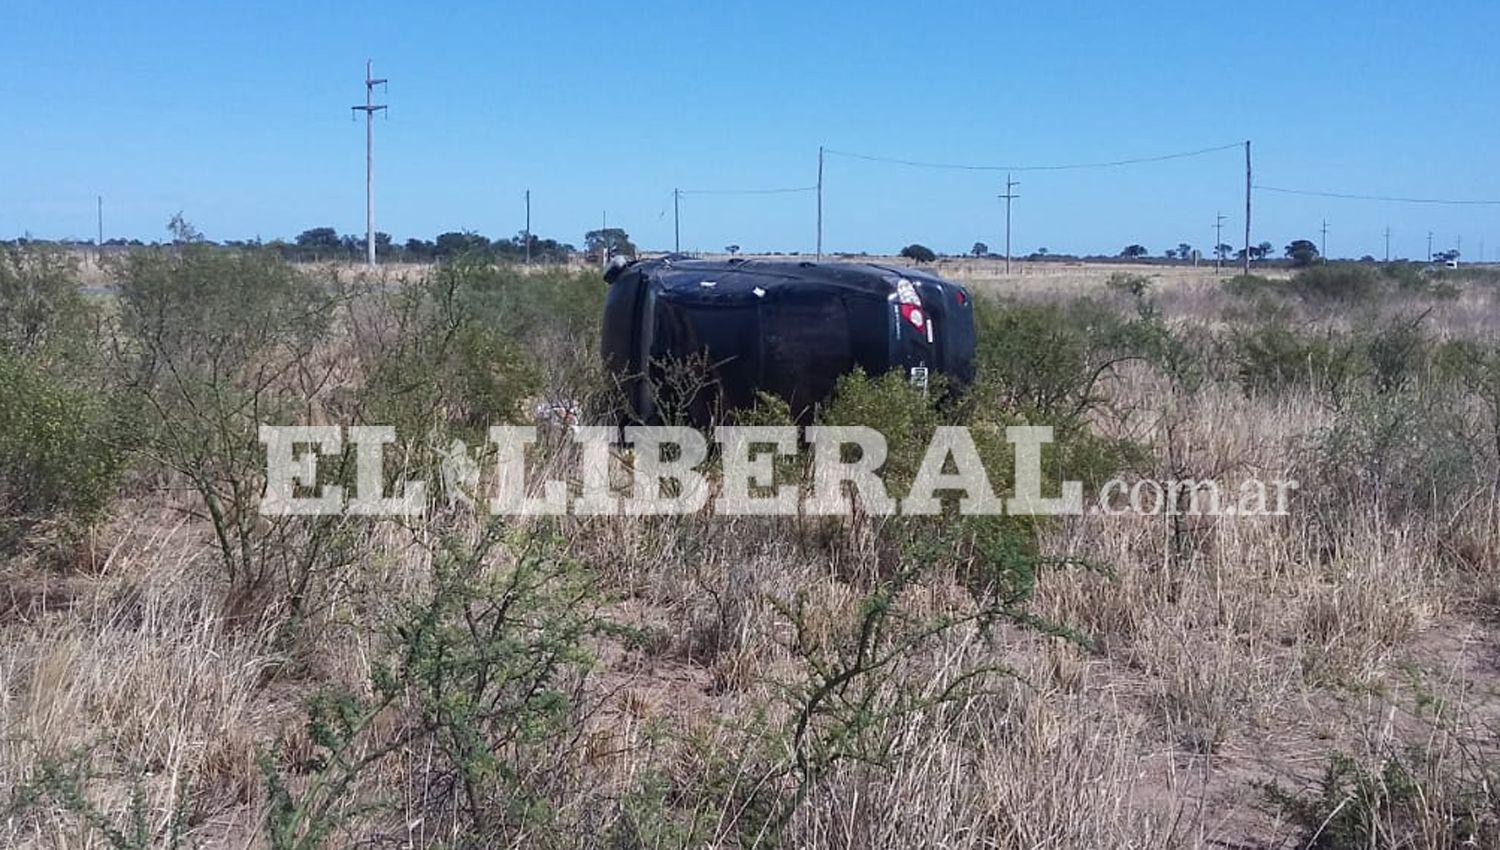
{"x":1227,"y":652}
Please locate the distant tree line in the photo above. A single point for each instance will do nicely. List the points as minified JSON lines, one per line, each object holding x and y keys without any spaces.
{"x":325,"y":243}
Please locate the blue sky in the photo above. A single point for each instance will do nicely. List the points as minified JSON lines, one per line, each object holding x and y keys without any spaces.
{"x":238,"y":115}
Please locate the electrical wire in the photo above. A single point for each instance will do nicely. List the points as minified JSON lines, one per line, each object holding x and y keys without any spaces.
{"x":1061,"y":167}
{"x":1391,"y":199}
{"x":782,"y":191}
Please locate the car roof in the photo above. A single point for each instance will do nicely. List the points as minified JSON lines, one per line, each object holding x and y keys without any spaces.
{"x":682,"y":276}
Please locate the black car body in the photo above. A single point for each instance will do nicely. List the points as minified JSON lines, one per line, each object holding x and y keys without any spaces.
{"x":785,"y":328}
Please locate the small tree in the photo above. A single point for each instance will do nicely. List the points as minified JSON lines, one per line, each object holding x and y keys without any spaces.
{"x":454,"y":244}
{"x":979,"y":249}
{"x":317,"y":243}
{"x":1133,"y":252}
{"x":1302,"y":252}
{"x":732,"y":249}
{"x":214,"y":344}
{"x":611,"y":240}
{"x":419,"y":249}
{"x":918,"y":253}
{"x":183,"y":232}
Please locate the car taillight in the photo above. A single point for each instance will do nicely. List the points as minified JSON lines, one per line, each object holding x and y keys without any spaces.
{"x":910,"y":307}
{"x":961,"y":297}
{"x":912,"y":313}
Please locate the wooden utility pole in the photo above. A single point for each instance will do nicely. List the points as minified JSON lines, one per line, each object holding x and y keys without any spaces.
{"x":99,"y":245}
{"x":1009,"y":196}
{"x":1387,"y":244}
{"x":1247,"y":208}
{"x":528,"y":227}
{"x":1323,"y":245}
{"x":1429,"y":246}
{"x":677,"y":221}
{"x":820,"y":203}
{"x":369,"y":109}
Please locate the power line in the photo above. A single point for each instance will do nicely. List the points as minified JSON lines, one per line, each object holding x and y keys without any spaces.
{"x":1391,"y":199}
{"x":781,"y":191}
{"x":369,"y":109}
{"x":1059,"y":167}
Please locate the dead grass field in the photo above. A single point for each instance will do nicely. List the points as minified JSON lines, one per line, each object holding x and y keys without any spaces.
{"x":1224,"y":657}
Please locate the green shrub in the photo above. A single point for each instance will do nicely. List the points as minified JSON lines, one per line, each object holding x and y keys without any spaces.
{"x":1406,"y":453}
{"x":60,"y":452}
{"x":199,"y":315}
{"x":1127,"y":283}
{"x":1397,"y":353}
{"x":66,"y":784}
{"x":484,"y":670}
{"x":456,"y":357}
{"x":1252,"y":286}
{"x":1408,"y":277}
{"x":43,"y":314}
{"x":527,"y":303}
{"x":1403,"y":801}
{"x":891,"y":405}
{"x":989,"y":554}
{"x":1469,"y":274}
{"x":1473,"y":368}
{"x":216,"y":343}
{"x":59,"y":458}
{"x":1271,"y":357}
{"x":1046,"y":361}
{"x":1340,"y":282}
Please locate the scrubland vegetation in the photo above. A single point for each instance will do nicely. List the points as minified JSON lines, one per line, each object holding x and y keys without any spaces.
{"x":177,"y":669}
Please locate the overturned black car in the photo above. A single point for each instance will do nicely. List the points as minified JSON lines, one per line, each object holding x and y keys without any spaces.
{"x":785,"y":328}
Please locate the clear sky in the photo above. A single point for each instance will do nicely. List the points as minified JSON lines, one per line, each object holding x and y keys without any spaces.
{"x":238,"y":115}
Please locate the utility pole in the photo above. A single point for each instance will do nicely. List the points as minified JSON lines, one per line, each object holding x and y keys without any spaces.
{"x":1247,"y":208}
{"x":604,"y":241}
{"x":369,"y":109}
{"x":528,"y":227}
{"x":676,"y":221}
{"x":1218,"y":242}
{"x":1458,"y":244}
{"x":1009,"y":196}
{"x":1387,"y":243}
{"x":1323,"y":246}
{"x":820,"y":203}
{"x":1429,"y":246}
{"x":99,"y":245}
